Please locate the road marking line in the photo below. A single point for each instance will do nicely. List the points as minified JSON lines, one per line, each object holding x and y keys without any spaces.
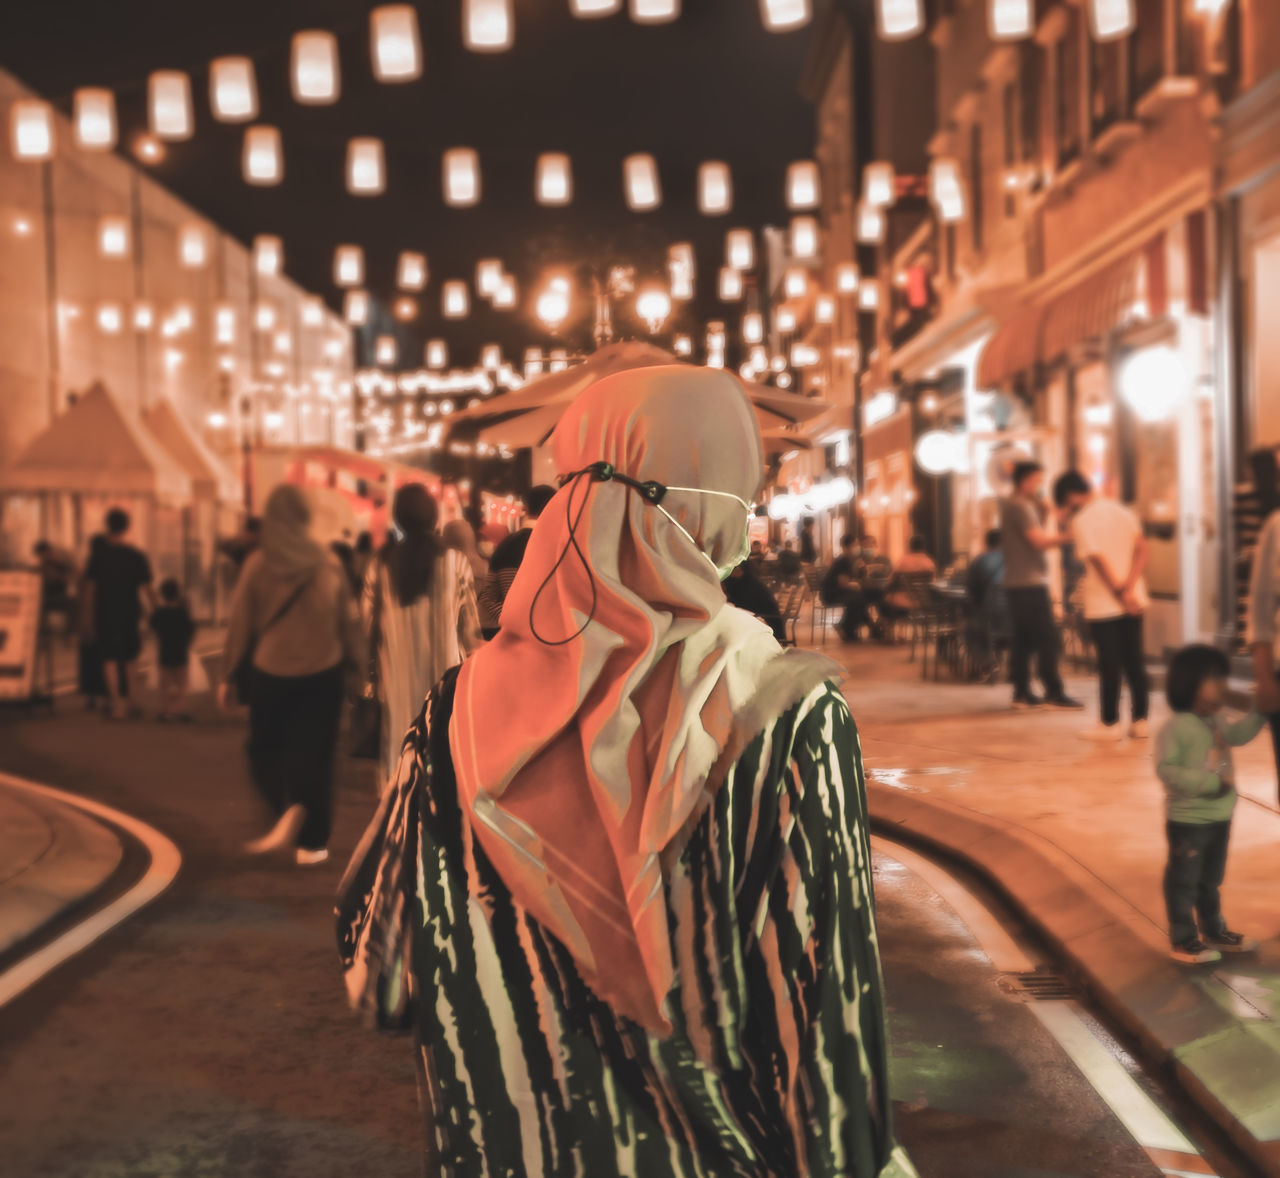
{"x":166,"y":859}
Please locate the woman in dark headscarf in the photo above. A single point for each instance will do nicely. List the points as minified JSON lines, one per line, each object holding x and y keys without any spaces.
{"x":420,"y":615}
{"x":293,"y":617}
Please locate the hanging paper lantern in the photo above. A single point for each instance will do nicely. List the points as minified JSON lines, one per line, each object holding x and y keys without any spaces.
{"x":804,"y":237}
{"x":193,"y":247}
{"x":593,"y":8}
{"x":405,"y":309}
{"x":878,"y":184}
{"x":264,"y":316}
{"x":263,"y":156}
{"x":95,"y":119}
{"x":758,"y":358}
{"x":233,"y":90}
{"x":313,"y":311}
{"x":283,"y":343}
{"x":715,"y":188}
{"x":148,"y":148}
{"x":384,"y":351}
{"x":487,"y":25}
{"x":491,"y":357}
{"x":488,"y":277}
{"x":795,"y":283}
{"x":847,"y":278}
{"x":681,"y":268}
{"x":730,"y":284}
{"x":554,"y":183}
{"x":110,"y":318}
{"x":437,"y":353}
{"x":169,"y":102}
{"x":780,"y":16}
{"x":869,"y":294}
{"x":315,"y":67}
{"x":654,"y":12}
{"x":456,"y":300}
{"x":31,"y":129}
{"x":898,"y":19}
{"x":397,"y":51}
{"x":1010,"y":20}
{"x":784,"y":319}
{"x":144,"y":316}
{"x":753,"y":327}
{"x":113,"y":237}
{"x":640,"y":178}
{"x":268,"y":255}
{"x":505,"y":297}
{"x":355,"y":308}
{"x":803,"y":185}
{"x":461,"y":177}
{"x":411,"y":272}
{"x":348,"y":265}
{"x":224,"y":325}
{"x":653,"y":306}
{"x":1110,"y":19}
{"x":740,"y":249}
{"x":946,"y":189}
{"x":824,"y":309}
{"x":366,"y":172}
{"x":871,"y":223}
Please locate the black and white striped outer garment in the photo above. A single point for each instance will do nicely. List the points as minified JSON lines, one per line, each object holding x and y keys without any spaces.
{"x":777,"y":1064}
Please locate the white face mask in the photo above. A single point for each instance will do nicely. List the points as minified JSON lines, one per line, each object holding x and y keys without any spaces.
{"x":744,"y":548}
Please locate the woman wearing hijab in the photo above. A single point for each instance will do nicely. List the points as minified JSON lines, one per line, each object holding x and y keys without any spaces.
{"x":632,"y":923}
{"x":294,"y":621}
{"x":419,"y":608}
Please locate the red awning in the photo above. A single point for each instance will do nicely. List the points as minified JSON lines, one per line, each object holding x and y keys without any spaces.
{"x":1013,"y":348}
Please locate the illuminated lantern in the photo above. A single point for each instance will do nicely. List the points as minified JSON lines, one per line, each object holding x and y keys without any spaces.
{"x":804,"y":237}
{"x":456,"y":300}
{"x":491,"y":357}
{"x":437,"y":353}
{"x":803,"y":185}
{"x":193,"y":247}
{"x":654,"y":12}
{"x":753,"y":328}
{"x":312,"y":311}
{"x":759,"y":358}
{"x":348,"y":265}
{"x":1110,"y":19}
{"x":683,"y":345}
{"x":554,"y":183}
{"x":740,"y":249}
{"x":871,"y":223}
{"x":784,"y":320}
{"x":315,"y":67}
{"x":869,"y":294}
{"x":803,"y":356}
{"x":780,"y":16}
{"x":878,"y":184}
{"x":487,"y":25}
{"x":795,"y":283}
{"x":730,"y":284}
{"x":1010,"y":20}
{"x":384,"y":351}
{"x":898,"y":19}
{"x":640,"y":175}
{"x":936,"y":452}
{"x":653,"y":306}
{"x":715,"y":189}
{"x":233,"y":90}
{"x":355,"y":308}
{"x":143,"y":316}
{"x":31,"y":129}
{"x":559,"y":360}
{"x":461,"y":177}
{"x":397,"y":52}
{"x":824,"y":309}
{"x":505,"y":297}
{"x":224,"y":325}
{"x":406,"y":309}
{"x":95,"y":119}
{"x":366,"y":172}
{"x":113,"y":237}
{"x":169,"y":102}
{"x":488,"y":277}
{"x":148,"y":148}
{"x":110,"y":318}
{"x":411,"y":273}
{"x":268,"y":255}
{"x":263,"y":156}
{"x":946,"y":189}
{"x":264,"y":317}
{"x":283,"y":343}
{"x":593,"y":8}
{"x":680,"y":270}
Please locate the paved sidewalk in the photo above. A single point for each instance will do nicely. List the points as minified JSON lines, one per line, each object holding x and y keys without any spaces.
{"x":1073,"y":835}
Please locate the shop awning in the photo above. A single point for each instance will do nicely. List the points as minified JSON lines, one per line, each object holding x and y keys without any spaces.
{"x":1094,"y":308}
{"x":1013,"y":348}
{"x":209,"y":478}
{"x":96,"y":448}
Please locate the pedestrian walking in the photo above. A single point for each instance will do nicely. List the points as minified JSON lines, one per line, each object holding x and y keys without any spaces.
{"x":420,"y":616}
{"x":1109,"y":542}
{"x":121,"y":577}
{"x":295,"y":628}
{"x":175,"y":633}
{"x":643,"y":927}
{"x":1193,"y":760}
{"x":90,"y":674}
{"x":509,"y":555}
{"x":987,"y":607}
{"x":1026,"y":541}
{"x":1262,"y":626}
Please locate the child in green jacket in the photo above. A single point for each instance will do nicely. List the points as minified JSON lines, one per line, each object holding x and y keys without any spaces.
{"x":1193,"y":759}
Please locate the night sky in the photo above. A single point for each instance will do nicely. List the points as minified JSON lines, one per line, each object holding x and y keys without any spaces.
{"x":714,"y":85}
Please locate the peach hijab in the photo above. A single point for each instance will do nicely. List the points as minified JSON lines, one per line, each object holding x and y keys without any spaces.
{"x":586,"y":750}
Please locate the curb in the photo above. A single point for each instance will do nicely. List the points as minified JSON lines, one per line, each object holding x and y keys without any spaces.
{"x":1231,"y":1069}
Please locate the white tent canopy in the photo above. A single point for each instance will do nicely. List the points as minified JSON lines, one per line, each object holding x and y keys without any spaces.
{"x":209,"y":478}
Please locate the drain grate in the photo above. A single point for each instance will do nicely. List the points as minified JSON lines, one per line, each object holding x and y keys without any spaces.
{"x":1040,"y":985}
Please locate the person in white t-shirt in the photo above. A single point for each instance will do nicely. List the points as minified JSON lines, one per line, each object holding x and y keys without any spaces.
{"x":1109,"y":543}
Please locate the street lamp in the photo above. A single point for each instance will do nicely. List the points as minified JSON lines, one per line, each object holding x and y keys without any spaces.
{"x":653,"y":306}
{"x":553,"y":303}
